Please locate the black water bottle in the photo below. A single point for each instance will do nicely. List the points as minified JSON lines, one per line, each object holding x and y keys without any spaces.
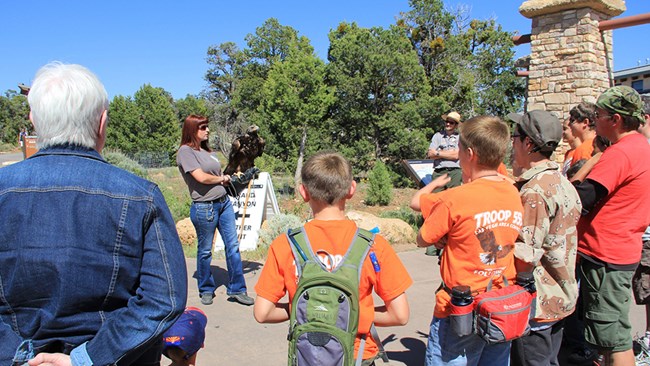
{"x":461,"y":316}
{"x":461,"y":296}
{"x":527,"y":281}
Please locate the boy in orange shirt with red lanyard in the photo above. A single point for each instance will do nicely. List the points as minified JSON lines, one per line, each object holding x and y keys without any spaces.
{"x":477,"y":224}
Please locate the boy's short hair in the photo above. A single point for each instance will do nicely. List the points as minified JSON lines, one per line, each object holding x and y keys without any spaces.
{"x":584,"y":110}
{"x":327,"y":176}
{"x":488,"y":136}
{"x":602,"y":143}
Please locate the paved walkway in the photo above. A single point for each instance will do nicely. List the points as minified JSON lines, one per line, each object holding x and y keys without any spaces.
{"x":10,"y":158}
{"x":233,"y":337}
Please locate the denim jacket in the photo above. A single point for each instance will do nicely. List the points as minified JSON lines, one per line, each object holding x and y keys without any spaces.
{"x":90,"y":260}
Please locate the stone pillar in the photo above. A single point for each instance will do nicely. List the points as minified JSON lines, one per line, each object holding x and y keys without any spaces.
{"x":571,"y":58}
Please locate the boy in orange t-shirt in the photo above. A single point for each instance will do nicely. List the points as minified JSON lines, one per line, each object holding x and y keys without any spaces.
{"x":326,"y":185}
{"x":477,"y":224}
{"x":582,"y":121}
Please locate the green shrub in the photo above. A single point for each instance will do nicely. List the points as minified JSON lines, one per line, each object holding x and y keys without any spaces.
{"x":268,"y":163}
{"x":407,"y":215}
{"x":179,"y":205}
{"x":174,"y":190}
{"x":7,"y":147}
{"x":276,"y":225}
{"x":190,"y":250}
{"x":124,"y":162}
{"x":380,"y":187}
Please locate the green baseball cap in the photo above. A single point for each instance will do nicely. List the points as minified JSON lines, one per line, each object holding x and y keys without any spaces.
{"x":543,"y":128}
{"x":622,"y":100}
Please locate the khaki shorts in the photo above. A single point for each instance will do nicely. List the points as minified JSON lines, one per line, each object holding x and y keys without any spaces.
{"x":641,"y":279}
{"x":606,"y":299}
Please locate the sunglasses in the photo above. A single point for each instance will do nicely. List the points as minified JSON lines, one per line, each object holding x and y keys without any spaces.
{"x":451,"y":122}
{"x":600,"y":115}
{"x":203,"y":127}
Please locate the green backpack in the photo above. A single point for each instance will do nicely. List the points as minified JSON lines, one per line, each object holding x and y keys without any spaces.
{"x":325,"y":309}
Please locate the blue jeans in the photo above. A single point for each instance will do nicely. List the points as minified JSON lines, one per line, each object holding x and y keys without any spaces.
{"x":446,"y":348}
{"x":208,"y":217}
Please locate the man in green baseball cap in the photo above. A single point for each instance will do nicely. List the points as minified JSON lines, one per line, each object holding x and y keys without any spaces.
{"x":624,"y":101}
{"x":615,"y":200}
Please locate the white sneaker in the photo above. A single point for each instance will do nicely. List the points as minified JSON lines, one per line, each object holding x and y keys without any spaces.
{"x":641,"y":348}
{"x":643,"y":343}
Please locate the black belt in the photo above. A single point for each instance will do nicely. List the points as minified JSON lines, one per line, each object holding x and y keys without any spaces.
{"x":221,"y":199}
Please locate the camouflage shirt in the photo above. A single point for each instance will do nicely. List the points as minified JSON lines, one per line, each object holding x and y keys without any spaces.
{"x":549,"y":239}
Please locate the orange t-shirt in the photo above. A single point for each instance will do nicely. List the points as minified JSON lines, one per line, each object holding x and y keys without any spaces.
{"x":583,"y":151}
{"x":503,"y":170}
{"x":481,"y":221}
{"x":279,"y":274}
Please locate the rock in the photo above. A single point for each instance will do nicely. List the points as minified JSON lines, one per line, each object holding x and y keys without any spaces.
{"x":186,"y":232}
{"x":396,"y":231}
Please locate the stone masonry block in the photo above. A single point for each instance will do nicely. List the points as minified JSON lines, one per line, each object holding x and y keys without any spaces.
{"x":536,"y":106}
{"x":584,"y":91}
{"x":556,"y":98}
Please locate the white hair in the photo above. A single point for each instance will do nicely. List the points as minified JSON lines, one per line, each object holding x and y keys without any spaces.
{"x":67,"y":102}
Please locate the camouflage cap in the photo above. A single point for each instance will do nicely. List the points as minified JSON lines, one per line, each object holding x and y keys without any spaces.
{"x":543,"y":128}
{"x":622,"y":100}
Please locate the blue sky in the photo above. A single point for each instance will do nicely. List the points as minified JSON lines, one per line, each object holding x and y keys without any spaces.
{"x":164,"y":43}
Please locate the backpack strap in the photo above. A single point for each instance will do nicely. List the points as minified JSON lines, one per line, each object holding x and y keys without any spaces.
{"x":380,"y":346}
{"x":362,"y":345}
{"x":355,"y":255}
{"x":361,"y":245}
{"x":358,"y":250}
{"x":489,"y":286}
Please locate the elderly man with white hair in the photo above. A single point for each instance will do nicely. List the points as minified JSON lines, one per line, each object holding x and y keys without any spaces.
{"x":91,"y":268}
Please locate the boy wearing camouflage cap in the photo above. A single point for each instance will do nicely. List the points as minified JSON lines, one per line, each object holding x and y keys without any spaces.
{"x":548,"y":241}
{"x":615,"y":200}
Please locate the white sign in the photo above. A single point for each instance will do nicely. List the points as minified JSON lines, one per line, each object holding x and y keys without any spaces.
{"x":252,"y":207}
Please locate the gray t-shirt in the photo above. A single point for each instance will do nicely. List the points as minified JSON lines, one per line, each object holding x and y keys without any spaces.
{"x":443,"y":141}
{"x":189,"y":160}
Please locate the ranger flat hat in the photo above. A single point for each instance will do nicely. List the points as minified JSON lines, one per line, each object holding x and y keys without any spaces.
{"x":453,"y":116}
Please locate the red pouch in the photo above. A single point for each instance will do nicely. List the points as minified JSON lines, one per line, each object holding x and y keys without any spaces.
{"x":502,"y":315}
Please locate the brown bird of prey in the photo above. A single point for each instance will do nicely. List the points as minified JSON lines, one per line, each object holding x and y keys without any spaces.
{"x":244,"y":150}
{"x":24,"y":89}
